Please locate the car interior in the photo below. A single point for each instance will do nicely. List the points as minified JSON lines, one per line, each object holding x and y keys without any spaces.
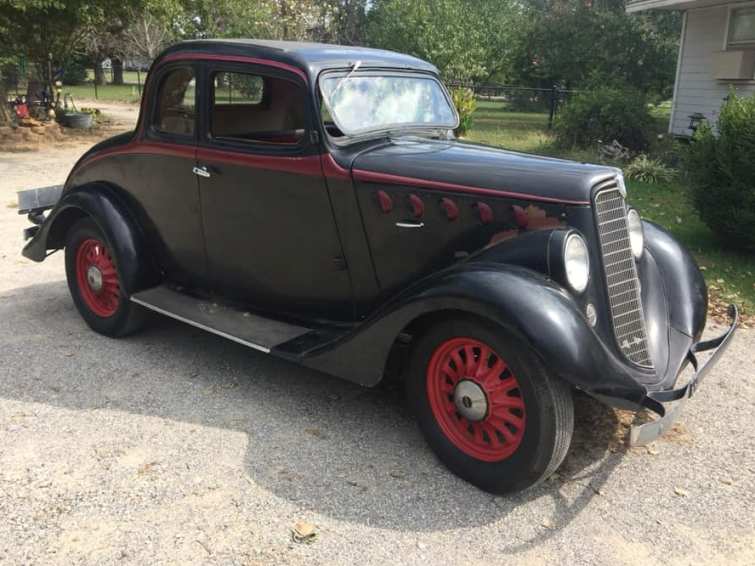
{"x":257,"y":109}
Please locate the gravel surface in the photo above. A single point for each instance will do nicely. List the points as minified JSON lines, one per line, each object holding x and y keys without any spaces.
{"x":175,"y":446}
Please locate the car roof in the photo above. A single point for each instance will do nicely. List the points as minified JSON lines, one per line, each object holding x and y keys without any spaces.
{"x":312,"y":58}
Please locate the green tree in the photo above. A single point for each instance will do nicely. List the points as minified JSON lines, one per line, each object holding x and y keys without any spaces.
{"x":50,"y":32}
{"x":577,"y":45}
{"x":465,"y":40}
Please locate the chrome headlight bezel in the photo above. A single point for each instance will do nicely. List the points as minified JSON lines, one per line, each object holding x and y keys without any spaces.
{"x":621,"y":184}
{"x":636,"y":233}
{"x":576,"y":262}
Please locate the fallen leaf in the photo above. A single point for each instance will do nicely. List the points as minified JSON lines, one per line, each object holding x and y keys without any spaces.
{"x":303,"y":532}
{"x":146,"y":468}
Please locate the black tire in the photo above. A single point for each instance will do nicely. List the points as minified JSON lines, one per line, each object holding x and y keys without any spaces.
{"x":548,"y":412}
{"x":120,"y":316}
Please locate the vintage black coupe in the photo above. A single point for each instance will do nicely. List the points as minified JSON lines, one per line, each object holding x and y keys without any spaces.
{"x":310,"y":201}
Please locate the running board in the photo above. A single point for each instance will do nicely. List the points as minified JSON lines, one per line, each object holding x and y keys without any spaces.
{"x":251,"y":330}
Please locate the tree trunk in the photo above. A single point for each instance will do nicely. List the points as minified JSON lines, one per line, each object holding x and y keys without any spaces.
{"x":5,"y":115}
{"x":99,"y":73}
{"x":117,"y":71}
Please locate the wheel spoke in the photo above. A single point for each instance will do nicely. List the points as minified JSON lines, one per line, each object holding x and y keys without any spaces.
{"x":502,"y":387}
{"x":458,"y":363}
{"x":502,"y":415}
{"x":449,"y":371}
{"x":491,"y":376}
{"x":507,"y":401}
{"x":487,"y":427}
{"x":469,"y":351}
{"x":477,"y":433}
{"x":482,"y":362}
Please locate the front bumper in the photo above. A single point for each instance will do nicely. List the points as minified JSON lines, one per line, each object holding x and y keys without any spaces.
{"x":660,"y":401}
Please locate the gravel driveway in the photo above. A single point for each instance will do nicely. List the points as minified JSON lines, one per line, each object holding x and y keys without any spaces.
{"x":175,"y":446}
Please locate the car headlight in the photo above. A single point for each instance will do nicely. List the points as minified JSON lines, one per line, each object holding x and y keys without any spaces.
{"x":636,"y":234}
{"x":576,"y":262}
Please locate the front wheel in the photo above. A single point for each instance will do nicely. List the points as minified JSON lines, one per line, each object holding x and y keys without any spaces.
{"x":487,"y":407}
{"x":95,"y":283}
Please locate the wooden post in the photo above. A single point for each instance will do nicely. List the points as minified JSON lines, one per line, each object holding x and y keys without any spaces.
{"x":554,"y":102}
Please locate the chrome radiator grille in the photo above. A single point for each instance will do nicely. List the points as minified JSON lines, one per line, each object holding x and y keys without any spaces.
{"x":622,"y":282}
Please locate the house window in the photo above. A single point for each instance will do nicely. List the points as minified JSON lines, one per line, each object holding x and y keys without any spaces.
{"x":256,"y":109}
{"x":742,"y":27}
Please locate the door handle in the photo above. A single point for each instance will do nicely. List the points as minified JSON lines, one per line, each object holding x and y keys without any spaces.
{"x":410,"y":224}
{"x":201,"y":171}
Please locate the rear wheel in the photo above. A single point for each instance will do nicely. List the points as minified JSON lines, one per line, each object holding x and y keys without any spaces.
{"x":487,"y":407}
{"x":95,"y":284}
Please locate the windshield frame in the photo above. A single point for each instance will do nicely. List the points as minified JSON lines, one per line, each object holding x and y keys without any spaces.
{"x":384,"y":128}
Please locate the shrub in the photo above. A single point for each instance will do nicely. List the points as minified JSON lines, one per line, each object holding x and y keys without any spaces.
{"x":668,"y":150}
{"x":74,"y":72}
{"x":466,"y":103}
{"x":604,"y":114}
{"x":648,"y":170}
{"x":721,"y":169}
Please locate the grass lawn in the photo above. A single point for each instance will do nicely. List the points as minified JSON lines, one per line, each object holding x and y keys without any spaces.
{"x":128,"y":92}
{"x":730,"y":275}
{"x":106,"y":93}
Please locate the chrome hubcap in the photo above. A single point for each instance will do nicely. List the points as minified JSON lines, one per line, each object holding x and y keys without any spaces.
{"x":94,"y":278}
{"x":470,"y":400}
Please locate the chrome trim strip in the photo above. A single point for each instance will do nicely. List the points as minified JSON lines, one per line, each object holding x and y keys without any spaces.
{"x":201,"y":326}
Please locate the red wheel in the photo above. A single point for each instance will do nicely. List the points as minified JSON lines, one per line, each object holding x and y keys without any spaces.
{"x":97,"y":277}
{"x":487,"y":405}
{"x":476,"y":399}
{"x":94,"y":279}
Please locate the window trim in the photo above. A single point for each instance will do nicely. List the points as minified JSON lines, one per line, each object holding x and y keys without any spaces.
{"x":234,"y":144}
{"x":741,"y":45}
{"x":369,"y":132}
{"x":151,"y":130}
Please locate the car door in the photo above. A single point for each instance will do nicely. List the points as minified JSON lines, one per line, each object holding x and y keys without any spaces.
{"x":270,"y":234}
{"x":159,"y":174}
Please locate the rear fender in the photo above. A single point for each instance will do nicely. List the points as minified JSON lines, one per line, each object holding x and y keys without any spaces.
{"x":103,"y":204}
{"x":519,"y":300}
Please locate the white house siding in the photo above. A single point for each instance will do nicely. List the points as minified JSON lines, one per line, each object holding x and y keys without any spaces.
{"x":696,"y":89}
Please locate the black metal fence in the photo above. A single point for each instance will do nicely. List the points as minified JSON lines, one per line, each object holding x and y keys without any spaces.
{"x":519,"y":98}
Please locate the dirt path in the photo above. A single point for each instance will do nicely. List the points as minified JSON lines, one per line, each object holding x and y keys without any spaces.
{"x":175,"y":446}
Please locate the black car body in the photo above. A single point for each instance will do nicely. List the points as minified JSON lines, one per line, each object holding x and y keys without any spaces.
{"x":337,"y":250}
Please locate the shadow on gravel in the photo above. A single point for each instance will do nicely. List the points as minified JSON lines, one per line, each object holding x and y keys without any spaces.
{"x":324,"y":444}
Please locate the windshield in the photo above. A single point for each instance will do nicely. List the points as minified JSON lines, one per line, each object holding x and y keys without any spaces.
{"x":362,"y":103}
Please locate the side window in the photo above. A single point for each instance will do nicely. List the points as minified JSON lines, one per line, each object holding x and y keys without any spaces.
{"x":176,"y":110}
{"x":257,"y":109}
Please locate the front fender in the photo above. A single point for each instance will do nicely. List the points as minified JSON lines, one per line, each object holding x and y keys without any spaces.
{"x":684,"y":283}
{"x":519,"y":300}
{"x":102,"y":204}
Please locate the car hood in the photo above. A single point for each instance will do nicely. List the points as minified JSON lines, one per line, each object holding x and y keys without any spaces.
{"x":465,"y":165}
